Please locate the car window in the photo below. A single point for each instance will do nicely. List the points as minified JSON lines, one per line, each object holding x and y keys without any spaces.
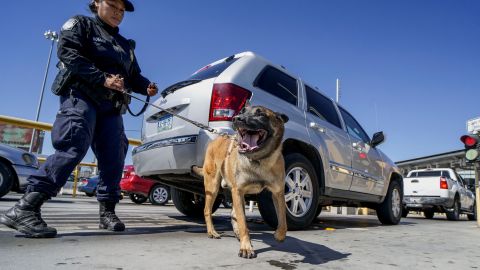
{"x":322,"y":107}
{"x":446,"y":174}
{"x":429,"y":173}
{"x":278,"y":84}
{"x":412,"y":174}
{"x":208,"y":72}
{"x":353,"y":127}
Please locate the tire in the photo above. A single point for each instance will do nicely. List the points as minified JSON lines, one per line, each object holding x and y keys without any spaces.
{"x":389,"y":212}
{"x":298,"y":217}
{"x":474,"y":215}
{"x":89,"y":194}
{"x":405,"y":212}
{"x":137,"y":198}
{"x":455,"y":214}
{"x":6,"y":179}
{"x":429,"y":213}
{"x":319,"y":211}
{"x":186,"y":203}
{"x":159,"y":195}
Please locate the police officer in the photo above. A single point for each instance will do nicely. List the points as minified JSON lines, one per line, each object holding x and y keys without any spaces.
{"x":102,"y":64}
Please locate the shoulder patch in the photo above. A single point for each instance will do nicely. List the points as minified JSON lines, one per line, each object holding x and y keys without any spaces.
{"x":69,"y":24}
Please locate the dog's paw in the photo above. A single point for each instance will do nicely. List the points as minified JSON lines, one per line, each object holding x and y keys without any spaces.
{"x":280,"y":235}
{"x":214,"y":235}
{"x":247,"y":253}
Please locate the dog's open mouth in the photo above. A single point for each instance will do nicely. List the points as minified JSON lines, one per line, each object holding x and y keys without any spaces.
{"x":250,"y":140}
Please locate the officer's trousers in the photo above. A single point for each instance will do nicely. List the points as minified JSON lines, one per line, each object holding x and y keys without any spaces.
{"x":80,"y":124}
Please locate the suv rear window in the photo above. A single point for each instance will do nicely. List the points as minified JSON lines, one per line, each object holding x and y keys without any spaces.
{"x":208,"y":72}
{"x":278,"y":84}
{"x":431,"y":174}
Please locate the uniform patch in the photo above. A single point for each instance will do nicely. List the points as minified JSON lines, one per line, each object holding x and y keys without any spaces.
{"x":69,"y":24}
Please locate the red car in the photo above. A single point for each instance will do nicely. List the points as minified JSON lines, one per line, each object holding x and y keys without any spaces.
{"x":142,"y":189}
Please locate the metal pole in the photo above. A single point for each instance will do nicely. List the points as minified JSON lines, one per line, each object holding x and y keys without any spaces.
{"x":53,"y":37}
{"x":477,"y":191}
{"x":338,"y":90}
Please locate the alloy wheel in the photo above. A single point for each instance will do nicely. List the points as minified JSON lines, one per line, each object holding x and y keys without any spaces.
{"x":298,"y":191}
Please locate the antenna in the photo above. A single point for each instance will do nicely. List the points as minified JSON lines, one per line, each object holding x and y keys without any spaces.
{"x":338,"y":90}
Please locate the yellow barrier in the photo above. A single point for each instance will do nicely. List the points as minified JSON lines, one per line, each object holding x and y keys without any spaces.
{"x":43,"y":126}
{"x":48,"y":127}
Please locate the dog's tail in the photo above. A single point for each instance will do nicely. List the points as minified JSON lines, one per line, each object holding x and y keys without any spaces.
{"x":197,"y":171}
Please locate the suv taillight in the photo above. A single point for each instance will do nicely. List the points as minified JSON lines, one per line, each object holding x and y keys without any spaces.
{"x":227,"y":100}
{"x":443,"y":183}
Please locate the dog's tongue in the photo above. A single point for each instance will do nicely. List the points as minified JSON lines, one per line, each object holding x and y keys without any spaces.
{"x":249,"y":141}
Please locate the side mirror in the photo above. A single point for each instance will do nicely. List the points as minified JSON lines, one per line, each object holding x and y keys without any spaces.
{"x":377,"y":139}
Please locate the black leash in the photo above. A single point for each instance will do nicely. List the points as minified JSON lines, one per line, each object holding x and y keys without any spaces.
{"x":195,"y":123}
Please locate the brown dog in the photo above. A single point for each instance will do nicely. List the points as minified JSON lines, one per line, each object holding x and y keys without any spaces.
{"x":247,"y":164}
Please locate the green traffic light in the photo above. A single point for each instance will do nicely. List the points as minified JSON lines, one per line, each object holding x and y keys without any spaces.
{"x":471,"y":154}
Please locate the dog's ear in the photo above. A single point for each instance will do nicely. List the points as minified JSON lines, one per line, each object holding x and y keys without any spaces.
{"x":283,"y":117}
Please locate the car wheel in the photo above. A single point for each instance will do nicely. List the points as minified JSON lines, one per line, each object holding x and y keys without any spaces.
{"x":454,"y":215}
{"x":137,"y":198}
{"x":474,"y":215}
{"x":89,"y":194}
{"x":189,"y":204}
{"x":301,"y":195}
{"x":405,"y":212}
{"x":389,"y":212}
{"x":158,"y":195}
{"x":319,"y":211}
{"x":428,"y":213}
{"x":6,"y":180}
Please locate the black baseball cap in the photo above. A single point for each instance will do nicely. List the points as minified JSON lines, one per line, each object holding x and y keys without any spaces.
{"x":128,"y":5}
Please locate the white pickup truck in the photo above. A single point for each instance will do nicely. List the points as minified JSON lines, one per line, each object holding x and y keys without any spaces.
{"x":438,"y":190}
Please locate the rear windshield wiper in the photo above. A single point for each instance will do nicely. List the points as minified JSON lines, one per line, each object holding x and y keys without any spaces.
{"x":177,"y":86}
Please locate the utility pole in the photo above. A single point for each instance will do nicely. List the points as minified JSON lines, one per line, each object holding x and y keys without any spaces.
{"x":477,"y":191}
{"x":53,"y":36}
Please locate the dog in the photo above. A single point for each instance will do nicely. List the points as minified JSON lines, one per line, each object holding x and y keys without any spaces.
{"x":248,"y":162}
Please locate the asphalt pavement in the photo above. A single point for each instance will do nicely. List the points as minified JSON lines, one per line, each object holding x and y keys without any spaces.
{"x":159,"y":237}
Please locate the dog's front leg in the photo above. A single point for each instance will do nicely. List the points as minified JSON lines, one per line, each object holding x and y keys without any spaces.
{"x":234,"y":220}
{"x":246,"y":249}
{"x":280,"y":208}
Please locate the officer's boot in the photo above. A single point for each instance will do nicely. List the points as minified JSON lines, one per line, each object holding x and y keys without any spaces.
{"x":108,"y":219}
{"x":26,"y":218}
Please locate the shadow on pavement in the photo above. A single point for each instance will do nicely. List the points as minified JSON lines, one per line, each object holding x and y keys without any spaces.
{"x":312,"y":253}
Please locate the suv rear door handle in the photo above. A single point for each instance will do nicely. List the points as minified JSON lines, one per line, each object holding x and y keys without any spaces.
{"x":317,"y":127}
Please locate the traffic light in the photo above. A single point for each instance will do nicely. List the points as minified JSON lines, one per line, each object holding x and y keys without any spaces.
{"x":472,"y":145}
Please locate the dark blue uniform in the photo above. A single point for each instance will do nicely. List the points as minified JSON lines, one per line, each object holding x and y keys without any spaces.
{"x":89,"y":114}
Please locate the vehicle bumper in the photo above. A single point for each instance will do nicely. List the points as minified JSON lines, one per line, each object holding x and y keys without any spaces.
{"x":426,"y":202}
{"x":23,"y":172}
{"x":166,"y":157}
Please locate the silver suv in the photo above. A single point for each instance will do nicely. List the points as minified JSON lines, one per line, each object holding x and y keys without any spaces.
{"x":330,"y":160}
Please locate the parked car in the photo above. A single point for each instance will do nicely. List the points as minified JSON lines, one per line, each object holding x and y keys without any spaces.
{"x":141,"y":189}
{"x":67,"y":189}
{"x":330,"y":159}
{"x":89,"y":186}
{"x":438,"y":190}
{"x":15,"y":167}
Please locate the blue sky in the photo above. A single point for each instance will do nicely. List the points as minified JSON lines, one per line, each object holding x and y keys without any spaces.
{"x":409,"y":68}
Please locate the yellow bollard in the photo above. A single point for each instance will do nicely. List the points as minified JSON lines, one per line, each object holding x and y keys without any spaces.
{"x":75,"y":180}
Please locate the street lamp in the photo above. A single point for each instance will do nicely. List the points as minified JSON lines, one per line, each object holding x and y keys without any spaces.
{"x":53,"y":36}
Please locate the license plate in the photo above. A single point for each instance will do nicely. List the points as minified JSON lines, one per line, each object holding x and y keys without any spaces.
{"x":165,"y":123}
